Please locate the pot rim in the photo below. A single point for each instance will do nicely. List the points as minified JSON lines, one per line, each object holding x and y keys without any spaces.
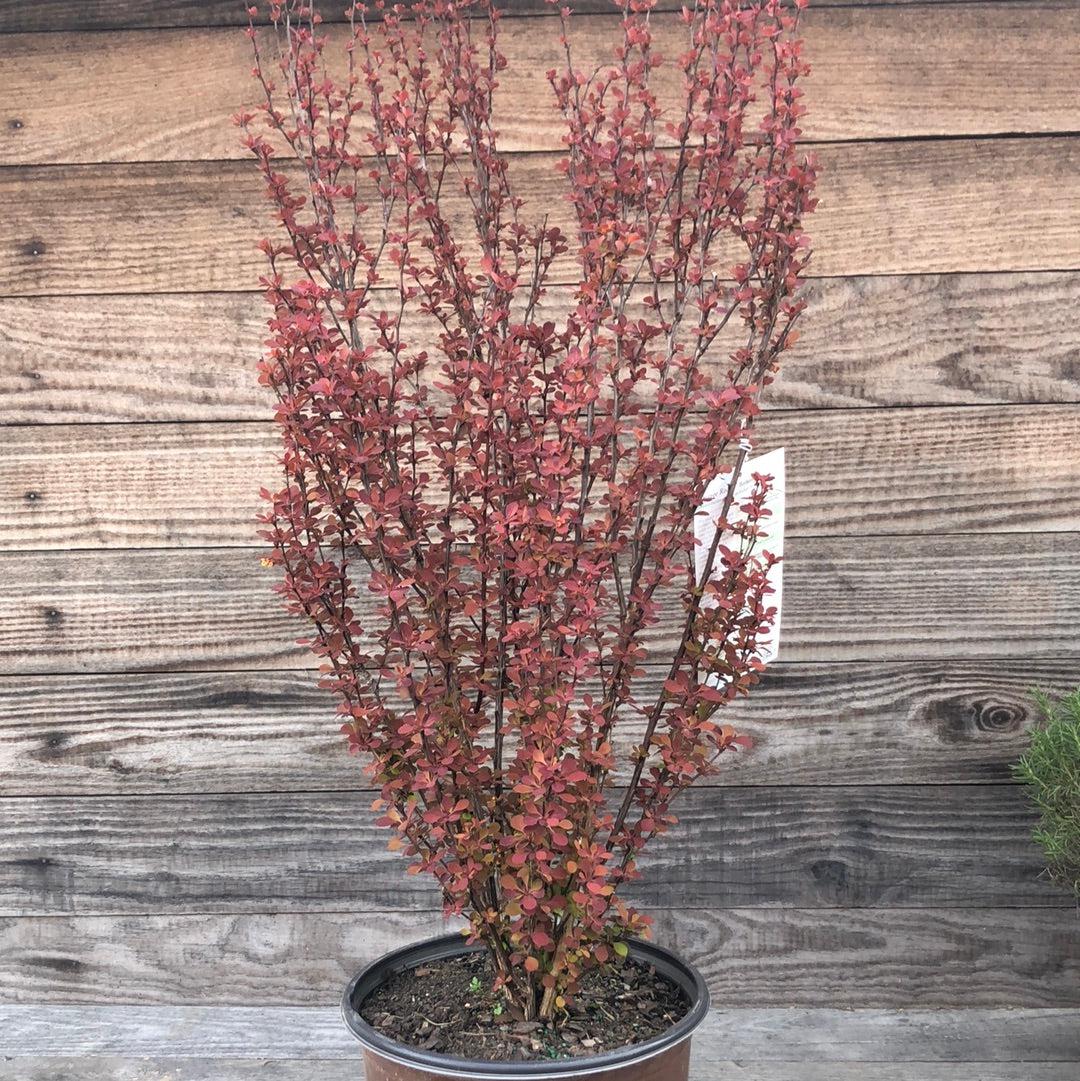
{"x":434,"y":949}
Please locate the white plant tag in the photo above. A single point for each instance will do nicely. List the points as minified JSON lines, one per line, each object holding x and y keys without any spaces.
{"x":772,"y":539}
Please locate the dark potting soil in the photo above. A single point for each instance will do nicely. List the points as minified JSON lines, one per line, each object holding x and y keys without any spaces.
{"x":448,"y":1006}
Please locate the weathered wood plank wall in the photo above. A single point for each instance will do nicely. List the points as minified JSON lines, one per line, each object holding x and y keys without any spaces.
{"x":178,"y":822}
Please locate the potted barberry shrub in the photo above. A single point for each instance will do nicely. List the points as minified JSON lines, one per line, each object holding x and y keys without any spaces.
{"x":504,"y":384}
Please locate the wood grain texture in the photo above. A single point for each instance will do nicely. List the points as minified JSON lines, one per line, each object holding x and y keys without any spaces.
{"x":765,"y":1035}
{"x":841,"y":847}
{"x":1000,"y":596}
{"x":895,"y":959}
{"x":169,"y":95}
{"x":822,"y":724}
{"x":51,"y":15}
{"x":117,"y":358}
{"x":978,"y":339}
{"x":942,"y":470}
{"x":886,"y":208}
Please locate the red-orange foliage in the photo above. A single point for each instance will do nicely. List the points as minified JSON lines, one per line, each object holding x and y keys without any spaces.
{"x":484,"y":531}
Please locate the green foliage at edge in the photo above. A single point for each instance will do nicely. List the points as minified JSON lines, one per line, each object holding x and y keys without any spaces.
{"x":1051,"y":771}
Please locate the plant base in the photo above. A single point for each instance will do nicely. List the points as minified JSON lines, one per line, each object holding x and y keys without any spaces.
{"x":663,"y":1058}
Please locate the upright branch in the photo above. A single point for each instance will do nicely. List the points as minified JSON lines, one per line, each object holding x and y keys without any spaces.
{"x":498,"y":421}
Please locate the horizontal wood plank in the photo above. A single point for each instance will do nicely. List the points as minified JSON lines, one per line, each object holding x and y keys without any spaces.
{"x":54,"y":15}
{"x":878,"y":598}
{"x":158,"y":95}
{"x":841,"y":847}
{"x":822,"y":724}
{"x":751,"y":957}
{"x":886,"y":208}
{"x":942,"y":470}
{"x":978,"y":339}
{"x":810,"y":1035}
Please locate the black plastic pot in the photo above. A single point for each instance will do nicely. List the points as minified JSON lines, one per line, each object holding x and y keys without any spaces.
{"x":664,"y":1058}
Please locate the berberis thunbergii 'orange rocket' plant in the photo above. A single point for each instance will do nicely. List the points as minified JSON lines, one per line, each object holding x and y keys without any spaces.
{"x":503,"y":385}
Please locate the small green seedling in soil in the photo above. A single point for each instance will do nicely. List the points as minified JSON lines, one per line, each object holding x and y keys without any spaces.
{"x":474,"y":985}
